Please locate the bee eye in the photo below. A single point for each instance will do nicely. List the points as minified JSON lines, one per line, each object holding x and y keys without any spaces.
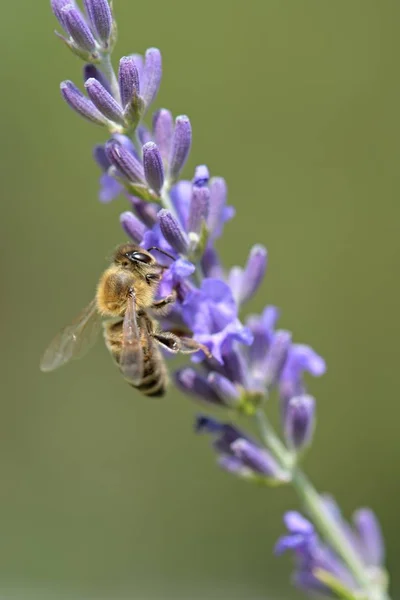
{"x":140,"y":257}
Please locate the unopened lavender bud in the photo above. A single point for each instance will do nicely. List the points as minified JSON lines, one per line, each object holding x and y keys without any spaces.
{"x":276,"y":357}
{"x":78,"y":29}
{"x":198,"y":211}
{"x":370,"y":534}
{"x":80,"y":104}
{"x":128,"y":77}
{"x":99,"y":14}
{"x":103,"y":100}
{"x":299,"y":421}
{"x":132,"y":226}
{"x":173,"y":232}
{"x":181,"y":142}
{"x":191,"y":382}
{"x":252,"y":275}
{"x":145,"y":212}
{"x":126,"y":163}
{"x":218,"y":194}
{"x":92,"y":72}
{"x":153,"y":167}
{"x":225,"y":389}
{"x":151,"y":78}
{"x":57,"y":8}
{"x":257,"y":459}
{"x":163,"y":128}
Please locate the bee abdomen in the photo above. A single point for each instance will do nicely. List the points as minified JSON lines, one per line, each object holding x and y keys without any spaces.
{"x":154,"y":382}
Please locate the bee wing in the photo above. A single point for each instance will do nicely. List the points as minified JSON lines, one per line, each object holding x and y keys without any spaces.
{"x":74,"y":340}
{"x":131,"y":361}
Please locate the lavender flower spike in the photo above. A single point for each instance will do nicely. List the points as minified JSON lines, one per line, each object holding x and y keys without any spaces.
{"x":299,"y":421}
{"x":132,"y":226}
{"x":78,"y":29}
{"x":173,"y":232}
{"x":104,"y":101}
{"x":100,"y":17}
{"x":181,"y":142}
{"x":80,"y":104}
{"x":153,"y":167}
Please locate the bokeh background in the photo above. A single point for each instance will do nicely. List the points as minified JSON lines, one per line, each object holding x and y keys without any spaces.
{"x":104,"y":494}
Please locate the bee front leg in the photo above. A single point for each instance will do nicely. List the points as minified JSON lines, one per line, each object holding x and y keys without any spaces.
{"x":160,"y":307}
{"x":184,"y":345}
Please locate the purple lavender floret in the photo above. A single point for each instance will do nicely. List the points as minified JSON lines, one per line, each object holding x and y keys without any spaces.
{"x":317,"y":567}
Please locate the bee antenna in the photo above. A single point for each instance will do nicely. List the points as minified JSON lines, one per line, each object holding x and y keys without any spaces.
{"x":162,"y":252}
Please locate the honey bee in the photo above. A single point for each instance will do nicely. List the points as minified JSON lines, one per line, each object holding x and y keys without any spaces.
{"x":125,"y":296}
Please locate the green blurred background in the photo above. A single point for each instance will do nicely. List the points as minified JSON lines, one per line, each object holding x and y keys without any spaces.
{"x":104,"y":494}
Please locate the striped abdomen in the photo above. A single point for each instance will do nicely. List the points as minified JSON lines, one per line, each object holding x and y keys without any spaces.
{"x":155,"y":378}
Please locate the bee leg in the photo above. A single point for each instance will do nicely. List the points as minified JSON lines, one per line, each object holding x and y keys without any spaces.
{"x":160,"y":307}
{"x":176,"y":344}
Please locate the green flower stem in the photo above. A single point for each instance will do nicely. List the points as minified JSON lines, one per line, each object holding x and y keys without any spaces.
{"x":312,"y":502}
{"x":108,"y":70}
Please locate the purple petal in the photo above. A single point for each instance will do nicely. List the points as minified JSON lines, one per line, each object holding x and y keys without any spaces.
{"x":128,"y":77}
{"x":153,"y":167}
{"x":80,"y":104}
{"x":163,"y":129}
{"x":173,"y":232}
{"x":181,"y":143}
{"x":296,"y":523}
{"x":99,"y":155}
{"x":151,"y":77}
{"x":103,"y":100}
{"x":210,"y":309}
{"x":289,"y":542}
{"x":132,"y":226}
{"x":110,"y":188}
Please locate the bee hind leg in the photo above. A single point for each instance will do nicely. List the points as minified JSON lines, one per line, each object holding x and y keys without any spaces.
{"x":176,"y":344}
